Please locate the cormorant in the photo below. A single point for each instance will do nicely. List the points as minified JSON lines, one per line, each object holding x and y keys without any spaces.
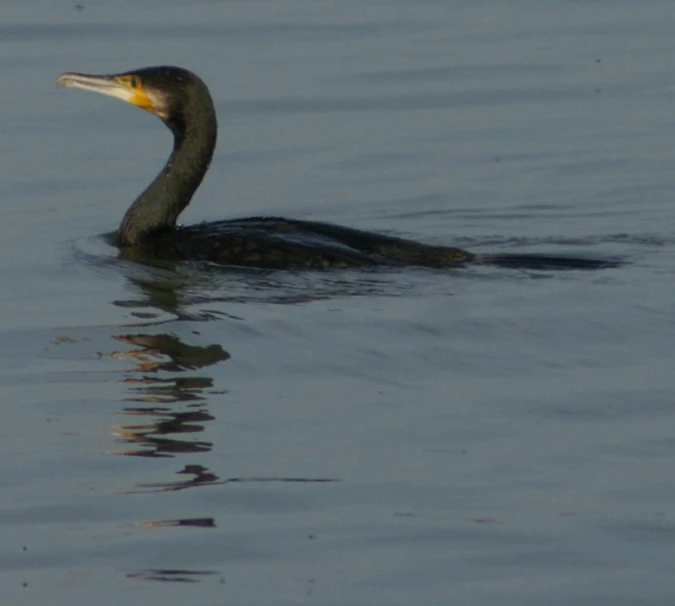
{"x":148,"y":230}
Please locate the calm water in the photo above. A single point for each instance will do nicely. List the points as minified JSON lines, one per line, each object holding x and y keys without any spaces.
{"x":482,"y":436}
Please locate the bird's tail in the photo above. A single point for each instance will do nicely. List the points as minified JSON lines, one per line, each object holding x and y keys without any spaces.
{"x":545,"y":262}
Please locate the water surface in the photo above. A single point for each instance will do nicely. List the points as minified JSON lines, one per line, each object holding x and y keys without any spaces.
{"x":483,"y":436}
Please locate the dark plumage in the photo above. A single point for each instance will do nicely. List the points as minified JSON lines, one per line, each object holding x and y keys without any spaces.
{"x":148,"y":229}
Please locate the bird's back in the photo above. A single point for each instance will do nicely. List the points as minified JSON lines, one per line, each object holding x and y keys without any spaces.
{"x":277,"y":243}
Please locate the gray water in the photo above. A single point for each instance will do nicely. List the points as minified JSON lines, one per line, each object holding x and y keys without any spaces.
{"x":481,"y":436}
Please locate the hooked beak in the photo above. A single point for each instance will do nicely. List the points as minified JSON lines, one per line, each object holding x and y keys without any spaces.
{"x":126,"y":87}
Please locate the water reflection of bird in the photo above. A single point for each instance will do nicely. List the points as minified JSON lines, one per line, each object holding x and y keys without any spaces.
{"x":149,"y":230}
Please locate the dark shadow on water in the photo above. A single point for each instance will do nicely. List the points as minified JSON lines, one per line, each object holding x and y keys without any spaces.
{"x":170,"y":408}
{"x":167,"y":406}
{"x":168,"y":352}
{"x":201,"y":476}
{"x":157,"y":386}
{"x":170,"y":576}
{"x":186,"y":285}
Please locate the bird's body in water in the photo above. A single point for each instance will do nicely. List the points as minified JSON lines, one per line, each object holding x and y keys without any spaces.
{"x":149,"y":230}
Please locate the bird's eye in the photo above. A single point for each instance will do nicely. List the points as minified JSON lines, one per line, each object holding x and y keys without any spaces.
{"x":134,"y":82}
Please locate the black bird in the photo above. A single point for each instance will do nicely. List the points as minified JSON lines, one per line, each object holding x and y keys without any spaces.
{"x":149,"y":231}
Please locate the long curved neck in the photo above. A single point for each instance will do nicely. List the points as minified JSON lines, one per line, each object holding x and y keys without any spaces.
{"x":167,"y":196}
